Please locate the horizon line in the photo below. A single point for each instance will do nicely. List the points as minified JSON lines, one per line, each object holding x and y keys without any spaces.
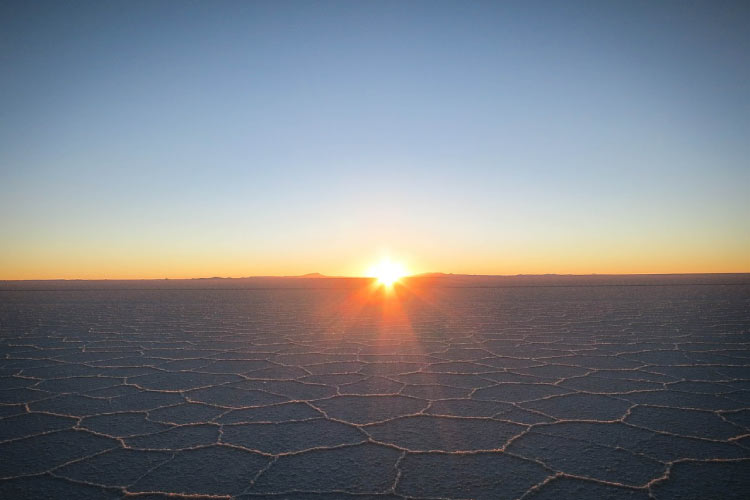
{"x":314,"y":276}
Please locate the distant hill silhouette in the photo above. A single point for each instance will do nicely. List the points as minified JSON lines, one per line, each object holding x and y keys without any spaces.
{"x":434,"y":279}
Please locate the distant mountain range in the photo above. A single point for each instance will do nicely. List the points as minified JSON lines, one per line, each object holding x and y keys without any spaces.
{"x":433,"y":279}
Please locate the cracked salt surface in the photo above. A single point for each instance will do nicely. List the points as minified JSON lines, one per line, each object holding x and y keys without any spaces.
{"x":533,"y":392}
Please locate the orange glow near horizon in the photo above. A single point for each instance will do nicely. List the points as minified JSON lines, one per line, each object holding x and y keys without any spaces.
{"x":117,"y":260}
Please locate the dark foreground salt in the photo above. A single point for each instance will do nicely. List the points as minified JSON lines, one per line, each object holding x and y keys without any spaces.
{"x":538,"y":392}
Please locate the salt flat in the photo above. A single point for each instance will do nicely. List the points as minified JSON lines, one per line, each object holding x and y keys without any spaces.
{"x":587,"y":388}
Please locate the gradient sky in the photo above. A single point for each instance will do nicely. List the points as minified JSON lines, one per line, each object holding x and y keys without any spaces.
{"x":183,"y":139}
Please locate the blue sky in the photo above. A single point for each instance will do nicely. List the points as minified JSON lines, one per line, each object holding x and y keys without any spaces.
{"x":146,"y":139}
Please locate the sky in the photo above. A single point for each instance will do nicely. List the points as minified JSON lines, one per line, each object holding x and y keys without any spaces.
{"x":153,"y":139}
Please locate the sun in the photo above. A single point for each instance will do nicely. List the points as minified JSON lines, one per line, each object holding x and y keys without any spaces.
{"x":387,"y":272}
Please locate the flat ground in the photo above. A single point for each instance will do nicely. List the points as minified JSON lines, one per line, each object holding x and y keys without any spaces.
{"x":430,"y":391}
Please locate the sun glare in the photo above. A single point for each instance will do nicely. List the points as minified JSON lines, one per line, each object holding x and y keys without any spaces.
{"x":387,"y":272}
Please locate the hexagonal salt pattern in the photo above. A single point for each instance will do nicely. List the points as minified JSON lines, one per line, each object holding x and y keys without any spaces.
{"x":534,"y":393}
